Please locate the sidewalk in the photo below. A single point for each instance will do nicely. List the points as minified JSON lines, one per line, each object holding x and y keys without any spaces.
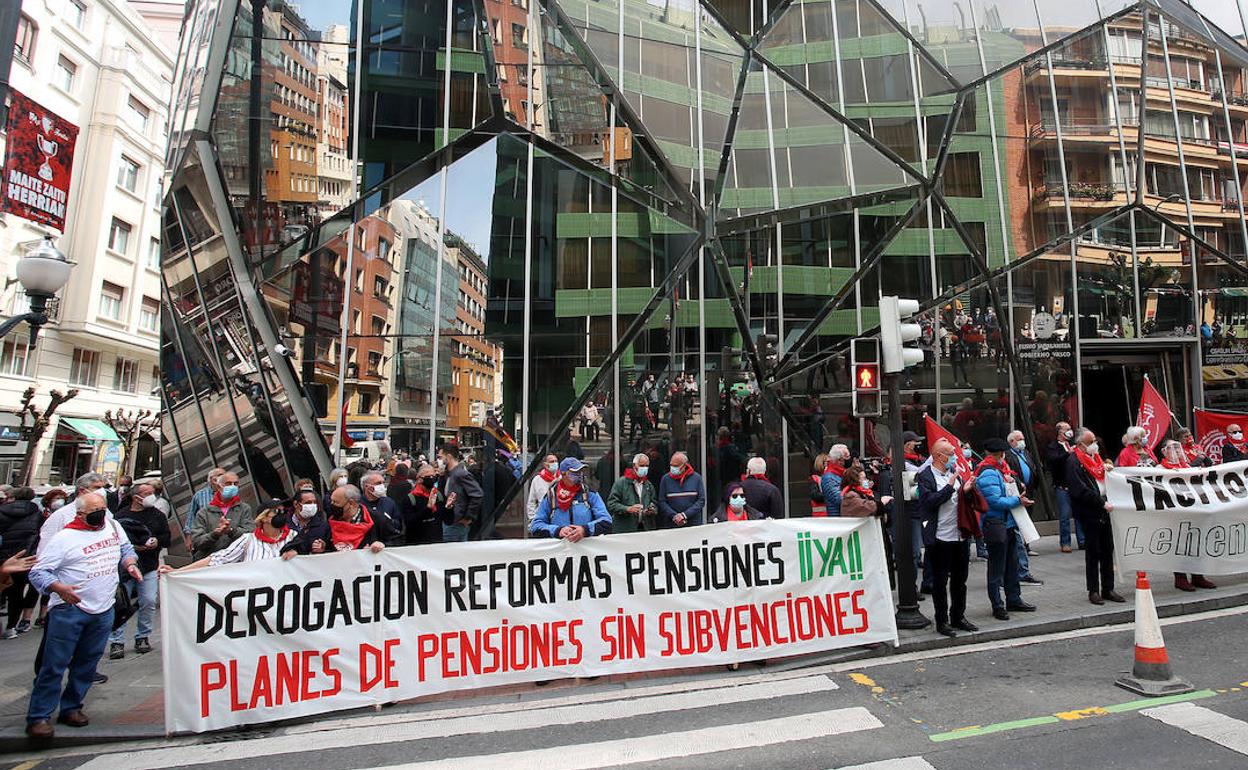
{"x":130,"y":706}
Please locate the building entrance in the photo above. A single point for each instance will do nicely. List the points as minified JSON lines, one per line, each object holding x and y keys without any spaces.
{"x":1113,"y":379}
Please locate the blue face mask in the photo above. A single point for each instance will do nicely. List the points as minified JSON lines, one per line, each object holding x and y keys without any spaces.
{"x":642,"y":471}
{"x":574,"y":477}
{"x":676,"y":469}
{"x":552,"y":467}
{"x":229,"y":492}
{"x":736,"y":501}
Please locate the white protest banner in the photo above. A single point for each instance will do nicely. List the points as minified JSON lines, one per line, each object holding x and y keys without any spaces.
{"x":1185,"y":520}
{"x":255,"y":642}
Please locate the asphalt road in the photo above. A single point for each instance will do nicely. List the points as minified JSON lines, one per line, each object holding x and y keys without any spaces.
{"x":1048,"y":703}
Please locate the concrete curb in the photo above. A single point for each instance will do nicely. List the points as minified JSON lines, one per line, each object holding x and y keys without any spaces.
{"x":15,"y":741}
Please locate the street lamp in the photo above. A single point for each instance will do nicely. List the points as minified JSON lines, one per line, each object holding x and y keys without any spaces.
{"x":42,"y":272}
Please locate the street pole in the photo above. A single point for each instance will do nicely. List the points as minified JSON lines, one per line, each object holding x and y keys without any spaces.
{"x":908,"y":615}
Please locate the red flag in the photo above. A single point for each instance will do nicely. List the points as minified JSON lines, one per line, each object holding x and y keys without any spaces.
{"x":347,"y":441}
{"x":1211,"y":430}
{"x":1154,"y":414}
{"x":935,"y":433}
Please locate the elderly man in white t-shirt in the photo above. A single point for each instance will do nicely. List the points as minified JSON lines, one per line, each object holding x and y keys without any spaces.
{"x":56,"y":521}
{"x":77,"y":568}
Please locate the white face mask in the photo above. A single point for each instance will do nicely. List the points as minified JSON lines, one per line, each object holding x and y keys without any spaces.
{"x":341,"y":482}
{"x":1094,"y":448}
{"x":149,"y":501}
{"x":1020,"y":445}
{"x":55,"y":504}
{"x":379,"y":490}
{"x":1237,"y":435}
{"x":1069,"y":435}
{"x":552,"y":467}
{"x":866,"y":484}
{"x":307,"y":510}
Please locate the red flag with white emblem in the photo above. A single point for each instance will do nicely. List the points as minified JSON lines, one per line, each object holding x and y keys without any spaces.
{"x":1154,"y":414}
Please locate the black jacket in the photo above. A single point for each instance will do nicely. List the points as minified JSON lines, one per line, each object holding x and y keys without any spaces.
{"x":421,"y":523}
{"x":19,"y":523}
{"x":467,"y":491}
{"x":929,"y":501}
{"x":1055,"y":457}
{"x":1230,"y":454}
{"x":1086,"y":501}
{"x":1011,"y":459}
{"x":397,"y":489}
{"x":317,"y":528}
{"x":154,"y":524}
{"x":386,"y":519}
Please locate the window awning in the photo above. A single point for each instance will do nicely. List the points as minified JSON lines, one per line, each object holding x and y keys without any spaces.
{"x":95,"y":430}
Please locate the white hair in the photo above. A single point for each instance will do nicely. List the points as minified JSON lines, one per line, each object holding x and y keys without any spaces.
{"x":639,"y":457}
{"x":1135,"y":433}
{"x":1014,"y":433}
{"x":756,"y":465}
{"x":838,"y":452}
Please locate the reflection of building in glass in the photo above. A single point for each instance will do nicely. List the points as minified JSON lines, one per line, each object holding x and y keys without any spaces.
{"x":676,"y":230}
{"x":333,"y":125}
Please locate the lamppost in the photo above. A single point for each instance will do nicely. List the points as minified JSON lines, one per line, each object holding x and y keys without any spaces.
{"x":42,"y":272}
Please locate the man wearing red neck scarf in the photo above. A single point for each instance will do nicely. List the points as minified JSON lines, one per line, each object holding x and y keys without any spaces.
{"x":682,"y":495}
{"x":1085,"y":480}
{"x":760,"y":493}
{"x":225,"y":519}
{"x":571,"y":511}
{"x":350,"y":524}
{"x":78,"y":570}
{"x":1235,"y":448}
{"x":992,"y":477}
{"x":1194,"y":452}
{"x":632,"y":498}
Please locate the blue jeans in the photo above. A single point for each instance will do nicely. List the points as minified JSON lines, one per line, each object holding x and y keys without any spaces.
{"x":1024,"y":564}
{"x":147,"y":607}
{"x":73,"y":640}
{"x":1064,"y":517}
{"x":1003,"y":569}
{"x":454,"y":533}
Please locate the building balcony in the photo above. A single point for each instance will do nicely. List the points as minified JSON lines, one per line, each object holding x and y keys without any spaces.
{"x":1094,"y":131}
{"x":1081,"y":194}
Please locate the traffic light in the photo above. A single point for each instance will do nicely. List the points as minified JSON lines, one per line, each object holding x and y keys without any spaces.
{"x":894,"y":334}
{"x":864,"y":365}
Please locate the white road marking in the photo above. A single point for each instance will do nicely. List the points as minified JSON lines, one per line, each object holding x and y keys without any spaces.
{"x":1225,"y":731}
{"x":655,"y":748}
{"x":898,"y":763}
{"x":320,"y":739}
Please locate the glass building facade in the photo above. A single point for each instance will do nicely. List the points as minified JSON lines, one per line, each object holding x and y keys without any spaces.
{"x":409,"y":222}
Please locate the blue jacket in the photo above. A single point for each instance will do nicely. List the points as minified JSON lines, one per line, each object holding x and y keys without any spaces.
{"x":587,"y":511}
{"x":992,"y":486}
{"x":830,"y":485}
{"x":687,"y":496}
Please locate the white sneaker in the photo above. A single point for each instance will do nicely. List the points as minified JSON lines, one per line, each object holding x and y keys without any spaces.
{"x":9,"y":633}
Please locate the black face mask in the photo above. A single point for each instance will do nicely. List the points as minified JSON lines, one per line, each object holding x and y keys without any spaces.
{"x":279,"y":520}
{"x":427,"y":482}
{"x":96,"y":518}
{"x":336,"y":510}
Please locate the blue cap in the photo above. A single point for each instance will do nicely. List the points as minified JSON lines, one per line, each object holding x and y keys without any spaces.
{"x":570,"y":464}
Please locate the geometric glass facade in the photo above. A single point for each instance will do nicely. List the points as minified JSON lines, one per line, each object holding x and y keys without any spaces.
{"x":407,"y":222}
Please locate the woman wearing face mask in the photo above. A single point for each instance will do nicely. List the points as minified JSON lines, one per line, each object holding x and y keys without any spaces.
{"x":309,"y":524}
{"x":421,"y":518}
{"x":571,"y":510}
{"x":541,"y":484}
{"x":222,"y":521}
{"x":268,"y":540}
{"x":1174,"y":458}
{"x":735,"y":508}
{"x":631,"y":502}
{"x":1135,"y":450}
{"x":857,"y":499}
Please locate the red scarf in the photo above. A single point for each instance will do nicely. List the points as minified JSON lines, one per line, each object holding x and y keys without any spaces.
{"x":565,"y":496}
{"x":1093,"y":465}
{"x":734,"y":515}
{"x":631,"y":475}
{"x":762,"y":476}
{"x":222,"y":504}
{"x":1192,"y":450}
{"x":684,"y":473}
{"x":866,"y":493}
{"x":836,"y":469}
{"x":547,"y":476}
{"x":430,"y":495}
{"x":914,"y":457}
{"x":351,"y":534}
{"x":991,"y":461}
{"x":266,"y":539}
{"x":1174,"y":466}
{"x":77,"y":523}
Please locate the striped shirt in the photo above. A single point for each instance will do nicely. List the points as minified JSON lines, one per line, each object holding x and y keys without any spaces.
{"x":250,"y":548}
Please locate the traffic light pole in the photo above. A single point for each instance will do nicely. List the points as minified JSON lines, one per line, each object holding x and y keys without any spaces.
{"x":908,"y":615}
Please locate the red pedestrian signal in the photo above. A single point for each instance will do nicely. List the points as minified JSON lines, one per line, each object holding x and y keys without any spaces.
{"x":867,"y":377}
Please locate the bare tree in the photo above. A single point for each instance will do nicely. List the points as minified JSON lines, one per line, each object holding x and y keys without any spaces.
{"x":129,"y":426}
{"x":40,"y":419}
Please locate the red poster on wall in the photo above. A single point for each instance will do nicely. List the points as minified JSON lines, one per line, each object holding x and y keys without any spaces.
{"x":37,"y":162}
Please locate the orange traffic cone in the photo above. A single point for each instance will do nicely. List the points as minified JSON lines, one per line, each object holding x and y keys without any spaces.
{"x":1151,"y":674}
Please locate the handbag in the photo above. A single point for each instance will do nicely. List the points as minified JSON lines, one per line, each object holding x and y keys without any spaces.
{"x":124,"y":605}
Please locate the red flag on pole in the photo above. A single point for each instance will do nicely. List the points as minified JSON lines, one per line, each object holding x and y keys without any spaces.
{"x":347,"y":441}
{"x":1211,"y":430}
{"x":1154,"y":414}
{"x":935,"y":433}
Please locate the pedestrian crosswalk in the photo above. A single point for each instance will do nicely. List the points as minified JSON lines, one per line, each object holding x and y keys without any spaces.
{"x":538,"y":716}
{"x":1206,"y":723}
